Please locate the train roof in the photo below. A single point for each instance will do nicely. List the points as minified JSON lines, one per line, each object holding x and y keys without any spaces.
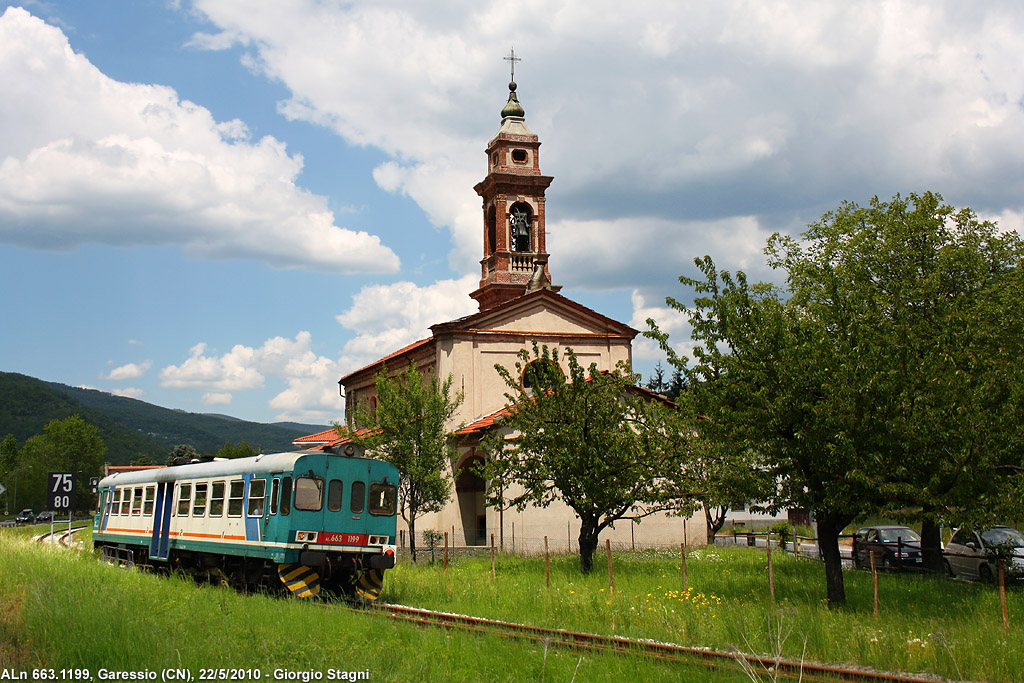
{"x":260,"y":464}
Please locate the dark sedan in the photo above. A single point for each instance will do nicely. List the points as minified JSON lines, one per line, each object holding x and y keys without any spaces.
{"x":26,"y":516}
{"x":894,"y":547}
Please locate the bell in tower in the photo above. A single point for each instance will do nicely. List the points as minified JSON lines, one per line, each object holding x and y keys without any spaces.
{"x":513,"y":210}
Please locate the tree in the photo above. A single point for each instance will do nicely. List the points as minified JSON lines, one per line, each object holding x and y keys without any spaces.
{"x":8,"y":454}
{"x":241,"y":450}
{"x":411,"y":416}
{"x":68,"y":445}
{"x":886,"y":373}
{"x":589,"y":439}
{"x":182,"y":453}
{"x":657,"y":381}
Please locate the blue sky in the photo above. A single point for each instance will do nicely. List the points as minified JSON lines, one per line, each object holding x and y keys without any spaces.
{"x":225,"y":205}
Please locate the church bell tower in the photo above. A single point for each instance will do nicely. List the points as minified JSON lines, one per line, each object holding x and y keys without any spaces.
{"x":515,"y":257}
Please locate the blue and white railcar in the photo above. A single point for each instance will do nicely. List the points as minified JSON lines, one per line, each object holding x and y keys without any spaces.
{"x":306,"y":518}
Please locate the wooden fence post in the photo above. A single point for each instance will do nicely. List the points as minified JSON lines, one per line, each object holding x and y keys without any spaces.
{"x":771,"y":571}
{"x":682,"y":555}
{"x":494,"y":567}
{"x":446,"y":551}
{"x":874,"y":583}
{"x":611,"y":580}
{"x":1002,"y":595}
{"x":547,"y":564}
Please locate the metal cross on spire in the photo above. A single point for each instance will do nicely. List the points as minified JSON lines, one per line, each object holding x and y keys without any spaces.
{"x":512,"y":59}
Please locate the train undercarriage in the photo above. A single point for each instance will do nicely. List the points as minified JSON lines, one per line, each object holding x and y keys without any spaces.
{"x":336,"y":574}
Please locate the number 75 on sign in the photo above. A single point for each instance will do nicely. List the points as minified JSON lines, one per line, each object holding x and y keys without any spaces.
{"x":62,"y":491}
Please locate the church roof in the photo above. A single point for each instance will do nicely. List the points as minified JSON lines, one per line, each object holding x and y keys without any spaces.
{"x":380,"y":362}
{"x":486,"y":422}
{"x":473,"y":320}
{"x":320,"y":438}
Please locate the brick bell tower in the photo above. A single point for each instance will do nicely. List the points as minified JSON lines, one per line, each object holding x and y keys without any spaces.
{"x":515,"y":258}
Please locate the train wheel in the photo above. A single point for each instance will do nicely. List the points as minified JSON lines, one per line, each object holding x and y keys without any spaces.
{"x":301,"y":580}
{"x":369,"y":583}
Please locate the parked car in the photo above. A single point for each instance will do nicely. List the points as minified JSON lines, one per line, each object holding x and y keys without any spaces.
{"x":44,"y":517}
{"x":26,"y":516}
{"x":973,"y":553}
{"x":894,"y":546}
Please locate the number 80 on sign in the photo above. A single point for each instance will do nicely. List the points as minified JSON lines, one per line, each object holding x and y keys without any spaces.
{"x":62,"y":491}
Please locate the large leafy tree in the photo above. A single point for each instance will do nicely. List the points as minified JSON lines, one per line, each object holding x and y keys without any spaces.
{"x":588,"y":438}
{"x":68,"y":445}
{"x":883,"y":376}
{"x":412,"y":415}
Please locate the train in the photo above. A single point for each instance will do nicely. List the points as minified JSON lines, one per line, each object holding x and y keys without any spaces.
{"x":307,"y":520}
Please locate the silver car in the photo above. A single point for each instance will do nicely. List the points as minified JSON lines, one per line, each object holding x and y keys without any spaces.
{"x":972,"y":554}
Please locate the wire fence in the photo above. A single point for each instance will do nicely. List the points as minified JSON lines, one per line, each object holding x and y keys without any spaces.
{"x":526,"y":539}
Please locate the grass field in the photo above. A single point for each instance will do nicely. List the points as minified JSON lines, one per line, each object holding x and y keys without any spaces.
{"x":926,"y":623}
{"x":60,"y":608}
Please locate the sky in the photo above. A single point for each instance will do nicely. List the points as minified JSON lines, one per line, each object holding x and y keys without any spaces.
{"x":225,"y":205}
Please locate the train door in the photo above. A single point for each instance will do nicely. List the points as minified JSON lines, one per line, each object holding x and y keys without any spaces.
{"x":159,"y":544}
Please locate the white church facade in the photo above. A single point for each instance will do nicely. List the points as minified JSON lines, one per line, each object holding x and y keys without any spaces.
{"x":518,"y":306}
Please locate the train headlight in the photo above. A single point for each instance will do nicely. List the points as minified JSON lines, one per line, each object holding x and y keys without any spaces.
{"x":305,"y":536}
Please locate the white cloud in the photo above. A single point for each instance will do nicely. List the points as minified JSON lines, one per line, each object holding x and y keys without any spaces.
{"x":86,"y":159}
{"x":312,"y":380}
{"x":669,"y":320}
{"x":217,"y":398}
{"x":234,"y":371}
{"x":128,"y":392}
{"x":129,"y":371}
{"x":689,"y":113}
{"x":388,"y":317}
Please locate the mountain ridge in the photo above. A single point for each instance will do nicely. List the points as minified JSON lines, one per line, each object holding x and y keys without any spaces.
{"x":131,"y":427}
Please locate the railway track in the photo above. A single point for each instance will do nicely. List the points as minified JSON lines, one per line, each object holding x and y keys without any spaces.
{"x":770,"y":668}
{"x":63,"y":537}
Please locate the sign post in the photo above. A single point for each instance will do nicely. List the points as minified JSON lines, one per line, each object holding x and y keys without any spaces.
{"x":62,"y":495}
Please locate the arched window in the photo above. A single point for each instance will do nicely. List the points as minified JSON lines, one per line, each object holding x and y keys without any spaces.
{"x":492,"y":233}
{"x":520,"y":223}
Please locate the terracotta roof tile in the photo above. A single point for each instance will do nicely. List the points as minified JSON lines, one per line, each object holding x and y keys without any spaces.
{"x":405,"y":349}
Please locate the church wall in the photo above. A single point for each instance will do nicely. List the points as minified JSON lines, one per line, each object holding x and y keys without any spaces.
{"x":525,"y":531}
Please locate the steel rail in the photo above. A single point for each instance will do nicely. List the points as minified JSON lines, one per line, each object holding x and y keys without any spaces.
{"x":775,"y":666}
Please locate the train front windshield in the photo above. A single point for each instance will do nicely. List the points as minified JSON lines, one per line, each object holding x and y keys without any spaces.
{"x":382,"y":498}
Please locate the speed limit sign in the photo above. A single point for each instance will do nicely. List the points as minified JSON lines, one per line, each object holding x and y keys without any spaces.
{"x":62,"y":491}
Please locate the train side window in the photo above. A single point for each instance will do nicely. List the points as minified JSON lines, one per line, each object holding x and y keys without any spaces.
{"x":275,"y":495}
{"x":126,"y":501}
{"x":235,"y":495}
{"x":199,"y":502}
{"x":382,"y":498}
{"x":150,"y":497}
{"x":257,"y":491}
{"x":184,"y":499}
{"x":217,"y":499}
{"x":334,"y":491}
{"x":137,"y":501}
{"x":286,"y":495}
{"x":115,"y":501}
{"x":358,"y":496}
{"x":309,"y":493}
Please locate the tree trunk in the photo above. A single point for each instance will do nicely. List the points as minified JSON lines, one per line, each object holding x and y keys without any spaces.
{"x":829,"y":528}
{"x":412,"y":537}
{"x":588,"y":544}
{"x":714,"y":522}
{"x":931,"y":544}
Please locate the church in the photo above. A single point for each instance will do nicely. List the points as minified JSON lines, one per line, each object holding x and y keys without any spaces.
{"x":518,"y":305}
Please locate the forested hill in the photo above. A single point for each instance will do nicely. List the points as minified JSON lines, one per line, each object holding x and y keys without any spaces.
{"x":130,"y":427}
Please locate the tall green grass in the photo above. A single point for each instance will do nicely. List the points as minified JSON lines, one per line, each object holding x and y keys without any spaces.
{"x":926,"y":623}
{"x":61,"y":608}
